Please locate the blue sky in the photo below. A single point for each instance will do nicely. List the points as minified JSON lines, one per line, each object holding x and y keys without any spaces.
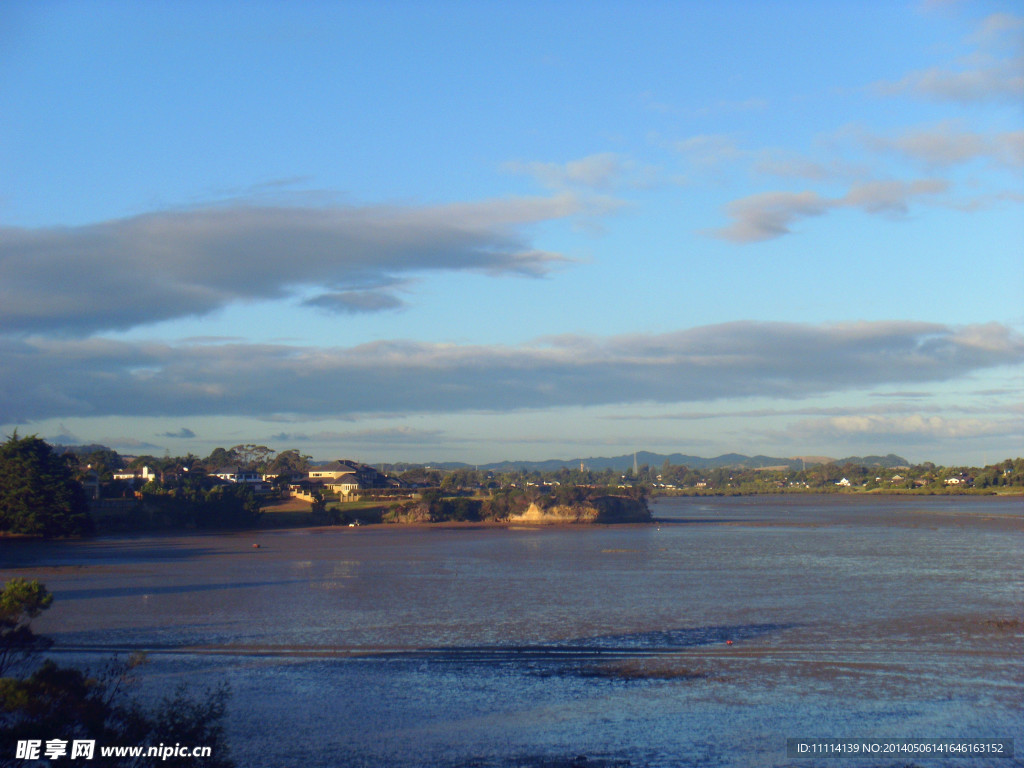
{"x":478,"y":231}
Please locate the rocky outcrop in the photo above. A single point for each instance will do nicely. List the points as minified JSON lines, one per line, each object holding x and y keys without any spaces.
{"x":603,"y":510}
{"x":411,"y":513}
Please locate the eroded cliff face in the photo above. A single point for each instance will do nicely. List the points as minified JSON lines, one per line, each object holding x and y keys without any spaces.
{"x":419,"y":513}
{"x":604,"y":510}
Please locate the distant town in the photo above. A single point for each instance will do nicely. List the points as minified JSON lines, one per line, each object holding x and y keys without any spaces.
{"x":249,"y":485}
{"x":107,"y":474}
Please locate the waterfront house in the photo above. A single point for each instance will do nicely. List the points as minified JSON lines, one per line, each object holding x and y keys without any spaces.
{"x":346,"y":477}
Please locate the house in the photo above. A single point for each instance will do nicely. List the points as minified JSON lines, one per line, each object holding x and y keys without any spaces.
{"x":844,"y":483}
{"x":960,"y":480}
{"x":345,"y":486}
{"x":135,"y":476}
{"x":292,"y":477}
{"x":347,"y":477}
{"x":338,"y":469}
{"x":237,"y":475}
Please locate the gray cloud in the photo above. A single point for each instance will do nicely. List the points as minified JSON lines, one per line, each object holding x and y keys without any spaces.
{"x":182,"y":434}
{"x":998,"y":82}
{"x":710,"y":152}
{"x":890,"y":197}
{"x":904,"y":395}
{"x":947,"y":144}
{"x":353,"y":302}
{"x":130,"y":445}
{"x":128,"y":272}
{"x":45,"y":378}
{"x":770,"y":214}
{"x":886,"y":409}
{"x":994,"y":71}
{"x":368,"y":437}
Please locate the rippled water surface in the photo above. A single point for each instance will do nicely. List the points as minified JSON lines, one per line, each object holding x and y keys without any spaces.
{"x":705,"y":639}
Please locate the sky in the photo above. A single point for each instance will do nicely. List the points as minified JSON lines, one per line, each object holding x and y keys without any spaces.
{"x":478,"y":231}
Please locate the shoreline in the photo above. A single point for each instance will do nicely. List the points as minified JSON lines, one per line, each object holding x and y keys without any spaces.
{"x":453,"y":525}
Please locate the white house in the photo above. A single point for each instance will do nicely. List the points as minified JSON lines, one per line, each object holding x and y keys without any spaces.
{"x":237,"y":475}
{"x":133,"y":476}
{"x":346,"y":486}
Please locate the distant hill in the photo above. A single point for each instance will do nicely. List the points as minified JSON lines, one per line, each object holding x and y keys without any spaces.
{"x":625,"y":462}
{"x":890,"y":461}
{"x":619,"y":463}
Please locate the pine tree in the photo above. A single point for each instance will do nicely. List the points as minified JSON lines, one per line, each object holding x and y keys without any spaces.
{"x":38,"y":492}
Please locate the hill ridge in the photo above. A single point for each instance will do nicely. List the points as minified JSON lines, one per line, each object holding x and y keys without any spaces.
{"x":651,"y":459}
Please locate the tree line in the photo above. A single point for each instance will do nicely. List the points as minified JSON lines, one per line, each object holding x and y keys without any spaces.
{"x":248,"y":457}
{"x":669,"y":478}
{"x":41,"y":494}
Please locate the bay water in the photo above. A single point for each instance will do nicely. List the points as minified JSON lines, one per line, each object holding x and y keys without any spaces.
{"x":708,"y":638}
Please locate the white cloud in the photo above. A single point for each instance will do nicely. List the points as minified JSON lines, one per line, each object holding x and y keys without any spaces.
{"x":792,"y":165}
{"x":753,"y":104}
{"x":710,"y":150}
{"x":996,"y":28}
{"x":918,"y":426}
{"x":601,"y":171}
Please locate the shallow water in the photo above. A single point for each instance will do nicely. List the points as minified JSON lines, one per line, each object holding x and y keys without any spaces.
{"x":858,"y":618}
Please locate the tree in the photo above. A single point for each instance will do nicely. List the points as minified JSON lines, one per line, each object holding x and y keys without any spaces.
{"x":196,"y":503}
{"x":220,"y":457}
{"x":289,"y":462}
{"x":99,"y":458}
{"x":38,"y":491}
{"x":52,"y":702}
{"x":20,"y":602}
{"x":253,"y":457}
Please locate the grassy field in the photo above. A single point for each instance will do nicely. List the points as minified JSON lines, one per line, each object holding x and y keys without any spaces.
{"x":292,"y":513}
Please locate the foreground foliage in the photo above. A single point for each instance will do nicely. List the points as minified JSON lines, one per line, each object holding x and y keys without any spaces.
{"x":40,"y":700}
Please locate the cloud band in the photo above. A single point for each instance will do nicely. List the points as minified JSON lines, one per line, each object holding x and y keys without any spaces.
{"x":700,"y":364}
